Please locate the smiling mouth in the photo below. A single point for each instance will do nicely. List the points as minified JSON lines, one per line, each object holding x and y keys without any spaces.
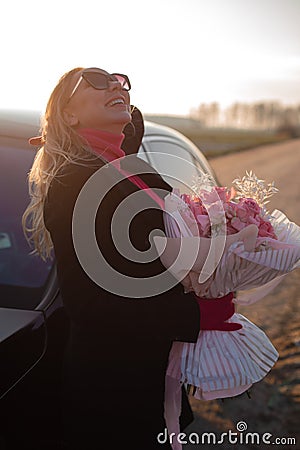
{"x":116,"y":101}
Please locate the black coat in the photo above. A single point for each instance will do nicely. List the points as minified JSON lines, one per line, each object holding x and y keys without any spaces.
{"x":118,"y":348}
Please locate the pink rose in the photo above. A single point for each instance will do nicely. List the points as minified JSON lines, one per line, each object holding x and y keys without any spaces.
{"x":216,"y":212}
{"x":266,"y":229}
{"x":251,"y":206}
{"x":238,"y":224}
{"x":230,"y":229}
{"x":208,"y":197}
{"x":255,"y":220}
{"x":241,"y":212}
{"x":223,"y":194}
{"x":203,"y":225}
{"x":197,"y":207}
{"x":230,"y":210}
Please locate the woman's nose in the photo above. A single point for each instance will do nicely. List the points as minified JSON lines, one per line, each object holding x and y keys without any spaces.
{"x":114,"y":85}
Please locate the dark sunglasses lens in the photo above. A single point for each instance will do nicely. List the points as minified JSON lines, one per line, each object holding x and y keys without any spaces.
{"x":123,"y":80}
{"x":97,"y":80}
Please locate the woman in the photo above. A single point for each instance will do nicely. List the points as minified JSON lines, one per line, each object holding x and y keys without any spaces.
{"x":121,"y":333}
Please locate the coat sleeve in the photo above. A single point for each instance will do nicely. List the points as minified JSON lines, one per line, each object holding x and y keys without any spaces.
{"x":173,"y":315}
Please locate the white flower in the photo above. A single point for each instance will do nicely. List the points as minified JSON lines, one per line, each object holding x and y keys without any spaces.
{"x":252,"y":187}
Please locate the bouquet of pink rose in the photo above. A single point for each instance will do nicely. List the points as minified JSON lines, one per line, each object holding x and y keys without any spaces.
{"x":222,"y":241}
{"x":239,"y":213}
{"x":216,"y":229}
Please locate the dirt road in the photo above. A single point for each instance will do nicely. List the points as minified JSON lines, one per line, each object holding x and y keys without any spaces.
{"x":274,"y":406}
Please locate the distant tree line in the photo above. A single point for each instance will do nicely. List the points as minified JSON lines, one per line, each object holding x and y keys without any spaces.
{"x":260,"y":115}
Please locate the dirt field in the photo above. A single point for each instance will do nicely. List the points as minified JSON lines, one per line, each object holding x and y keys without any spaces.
{"x":274,"y":406}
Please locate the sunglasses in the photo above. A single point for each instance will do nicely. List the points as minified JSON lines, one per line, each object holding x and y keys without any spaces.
{"x":100,"y":80}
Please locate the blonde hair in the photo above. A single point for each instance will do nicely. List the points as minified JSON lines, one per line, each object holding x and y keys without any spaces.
{"x":60,"y":146}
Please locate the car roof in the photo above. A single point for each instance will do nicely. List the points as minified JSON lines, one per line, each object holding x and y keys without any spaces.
{"x":21,"y":125}
{"x":29,"y":120}
{"x":26,"y":123}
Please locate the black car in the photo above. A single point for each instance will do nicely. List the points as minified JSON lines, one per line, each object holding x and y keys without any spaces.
{"x":33,"y":324}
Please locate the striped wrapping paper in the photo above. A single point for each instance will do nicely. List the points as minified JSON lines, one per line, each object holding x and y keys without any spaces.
{"x":221,"y":363}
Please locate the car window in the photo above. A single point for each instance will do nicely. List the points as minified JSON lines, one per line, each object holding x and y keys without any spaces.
{"x":22,"y":274}
{"x":182,"y":169}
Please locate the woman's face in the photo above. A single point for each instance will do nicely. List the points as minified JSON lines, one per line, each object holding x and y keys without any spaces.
{"x":103,"y":109}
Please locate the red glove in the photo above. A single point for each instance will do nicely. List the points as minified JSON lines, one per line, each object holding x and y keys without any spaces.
{"x":215,"y":311}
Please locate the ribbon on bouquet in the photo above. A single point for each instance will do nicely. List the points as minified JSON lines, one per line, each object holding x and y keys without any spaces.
{"x":215,"y":311}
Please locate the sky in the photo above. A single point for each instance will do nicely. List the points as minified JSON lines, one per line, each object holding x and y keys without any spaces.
{"x":177,"y":53}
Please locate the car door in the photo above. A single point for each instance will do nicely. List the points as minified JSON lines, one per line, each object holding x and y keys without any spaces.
{"x":32,"y":320}
{"x":23,"y":277}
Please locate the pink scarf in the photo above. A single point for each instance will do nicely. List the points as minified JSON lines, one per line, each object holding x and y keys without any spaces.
{"x":108,"y":145}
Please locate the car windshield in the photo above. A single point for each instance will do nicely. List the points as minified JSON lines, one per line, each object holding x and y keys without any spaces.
{"x":22,"y":274}
{"x":175,"y":161}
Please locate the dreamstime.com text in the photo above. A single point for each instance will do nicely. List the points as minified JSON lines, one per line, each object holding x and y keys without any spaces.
{"x":241,"y":436}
